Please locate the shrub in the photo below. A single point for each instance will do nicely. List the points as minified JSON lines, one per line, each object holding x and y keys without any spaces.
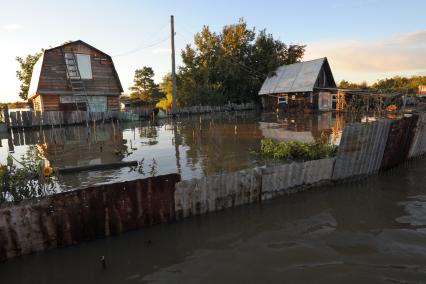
{"x":296,"y":150}
{"x":30,"y":177}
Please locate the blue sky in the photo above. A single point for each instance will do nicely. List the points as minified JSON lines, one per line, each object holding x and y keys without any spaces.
{"x":364,"y":40}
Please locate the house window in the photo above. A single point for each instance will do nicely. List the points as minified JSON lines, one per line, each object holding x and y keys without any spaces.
{"x":83,"y":63}
{"x":84,"y":66}
{"x":282,"y":100}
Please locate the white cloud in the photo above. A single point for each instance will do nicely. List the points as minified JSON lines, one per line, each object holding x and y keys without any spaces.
{"x":403,"y":53}
{"x":12,"y":27}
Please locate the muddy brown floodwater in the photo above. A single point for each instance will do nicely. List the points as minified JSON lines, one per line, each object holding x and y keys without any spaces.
{"x":372,"y":231}
{"x":193,"y":146}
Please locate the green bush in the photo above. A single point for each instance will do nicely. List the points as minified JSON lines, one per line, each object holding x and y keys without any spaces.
{"x":28,"y":178}
{"x":295,"y":150}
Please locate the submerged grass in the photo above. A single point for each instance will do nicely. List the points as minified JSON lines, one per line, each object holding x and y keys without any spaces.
{"x":295,"y":150}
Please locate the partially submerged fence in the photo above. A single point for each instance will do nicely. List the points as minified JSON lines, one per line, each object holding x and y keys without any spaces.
{"x":26,"y":119}
{"x":211,"y":109}
{"x":85,"y":214}
{"x":73,"y":217}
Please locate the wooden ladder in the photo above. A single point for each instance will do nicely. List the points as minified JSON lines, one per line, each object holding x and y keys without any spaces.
{"x":77,"y":85}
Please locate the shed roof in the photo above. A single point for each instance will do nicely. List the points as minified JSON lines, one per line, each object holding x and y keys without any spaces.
{"x":297,"y":77}
{"x":79,"y":41}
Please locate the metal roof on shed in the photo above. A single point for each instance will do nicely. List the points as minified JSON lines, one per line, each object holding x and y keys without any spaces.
{"x":297,"y":77}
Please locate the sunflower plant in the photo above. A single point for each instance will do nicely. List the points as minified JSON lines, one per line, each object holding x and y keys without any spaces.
{"x":28,"y":177}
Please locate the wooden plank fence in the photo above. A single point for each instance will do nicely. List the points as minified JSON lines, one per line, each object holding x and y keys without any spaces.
{"x":209,"y":109}
{"x":146,"y":111}
{"x":27,"y":119}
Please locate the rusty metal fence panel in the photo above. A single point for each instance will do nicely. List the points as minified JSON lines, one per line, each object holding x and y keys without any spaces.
{"x":73,"y":217}
{"x":361,"y":149}
{"x":418,"y":147}
{"x":399,"y":142}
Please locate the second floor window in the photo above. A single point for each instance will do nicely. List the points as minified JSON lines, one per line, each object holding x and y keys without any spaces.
{"x":83,"y":63}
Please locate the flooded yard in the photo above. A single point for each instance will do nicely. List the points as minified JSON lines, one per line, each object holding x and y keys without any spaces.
{"x":193,"y":146}
{"x":371,"y":231}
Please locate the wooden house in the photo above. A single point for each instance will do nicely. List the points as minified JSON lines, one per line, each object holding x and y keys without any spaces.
{"x":302,"y":86}
{"x":75,"y":76}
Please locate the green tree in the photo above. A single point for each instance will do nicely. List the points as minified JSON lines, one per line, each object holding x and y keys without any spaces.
{"x":25,"y":72}
{"x":144,"y":89}
{"x":230,"y":66}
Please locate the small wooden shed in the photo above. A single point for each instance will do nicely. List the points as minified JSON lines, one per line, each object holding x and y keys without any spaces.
{"x":75,"y":76}
{"x":300,"y":86}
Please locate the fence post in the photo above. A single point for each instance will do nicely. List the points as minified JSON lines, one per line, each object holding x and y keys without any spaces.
{"x":6,"y":116}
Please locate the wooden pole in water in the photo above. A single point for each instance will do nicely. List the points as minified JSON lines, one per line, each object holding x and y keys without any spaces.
{"x":172,"y":34}
{"x":6,"y":116}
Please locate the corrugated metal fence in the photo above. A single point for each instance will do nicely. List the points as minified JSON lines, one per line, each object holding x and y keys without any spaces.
{"x":77,"y":216}
{"x":364,"y":150}
{"x":361,"y":149}
{"x":418,"y":146}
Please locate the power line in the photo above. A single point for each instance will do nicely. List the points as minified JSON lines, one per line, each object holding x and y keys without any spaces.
{"x":145,"y":45}
{"x":247,"y":68}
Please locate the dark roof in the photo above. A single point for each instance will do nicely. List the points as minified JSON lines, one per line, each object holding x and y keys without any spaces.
{"x":79,"y":42}
{"x":297,"y":77}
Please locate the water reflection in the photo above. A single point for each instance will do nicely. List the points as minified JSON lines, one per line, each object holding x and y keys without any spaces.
{"x":192,"y":146}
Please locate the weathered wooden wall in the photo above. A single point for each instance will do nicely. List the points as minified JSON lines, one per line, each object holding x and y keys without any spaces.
{"x":113,"y":103}
{"x":269,"y":102}
{"x":50,"y":102}
{"x":54,"y":82}
{"x":53,"y":77}
{"x":301,"y":103}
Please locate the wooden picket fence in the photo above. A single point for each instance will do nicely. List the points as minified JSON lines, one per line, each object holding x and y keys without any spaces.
{"x":209,"y":109}
{"x":27,"y":119}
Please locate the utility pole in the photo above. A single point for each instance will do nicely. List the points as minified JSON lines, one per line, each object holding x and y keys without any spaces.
{"x":172,"y":29}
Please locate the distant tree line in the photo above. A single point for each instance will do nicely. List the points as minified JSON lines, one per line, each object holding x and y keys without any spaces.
{"x":394,"y":84}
